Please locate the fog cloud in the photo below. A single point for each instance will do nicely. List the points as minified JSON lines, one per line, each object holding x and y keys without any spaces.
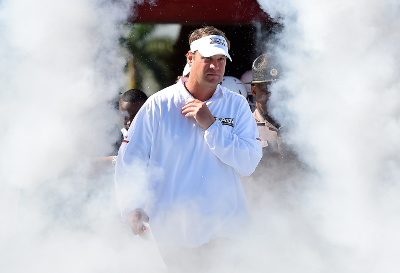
{"x":60,"y":71}
{"x":339,"y":98}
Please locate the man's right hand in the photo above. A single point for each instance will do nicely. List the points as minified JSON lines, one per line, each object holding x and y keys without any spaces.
{"x":137,"y":220}
{"x":200,"y":112}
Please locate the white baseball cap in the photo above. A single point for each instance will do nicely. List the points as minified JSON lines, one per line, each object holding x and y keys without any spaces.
{"x":235,"y":85}
{"x":208,"y":46}
{"x":211,"y":45}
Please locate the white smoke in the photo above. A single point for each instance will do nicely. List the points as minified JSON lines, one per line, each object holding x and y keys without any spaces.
{"x":60,"y":71}
{"x":339,"y":98}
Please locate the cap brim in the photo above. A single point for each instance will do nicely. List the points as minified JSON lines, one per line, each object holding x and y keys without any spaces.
{"x":264,"y":81}
{"x":211,"y":51}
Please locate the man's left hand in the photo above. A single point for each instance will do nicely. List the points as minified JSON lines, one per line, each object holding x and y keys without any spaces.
{"x":136,"y":220}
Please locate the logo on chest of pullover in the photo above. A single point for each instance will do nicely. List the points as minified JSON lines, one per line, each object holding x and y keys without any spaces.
{"x":225,"y":121}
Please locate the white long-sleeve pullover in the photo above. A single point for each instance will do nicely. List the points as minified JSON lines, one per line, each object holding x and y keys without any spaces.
{"x":186,"y":177}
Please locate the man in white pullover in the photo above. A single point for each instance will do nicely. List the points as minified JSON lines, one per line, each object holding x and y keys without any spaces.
{"x":179,"y":167}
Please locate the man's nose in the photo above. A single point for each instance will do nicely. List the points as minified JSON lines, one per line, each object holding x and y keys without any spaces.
{"x":214,"y":65}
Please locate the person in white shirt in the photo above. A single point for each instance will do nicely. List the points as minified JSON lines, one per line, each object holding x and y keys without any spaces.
{"x":179,"y":167}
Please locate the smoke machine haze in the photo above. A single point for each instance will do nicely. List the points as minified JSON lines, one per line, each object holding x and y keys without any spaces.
{"x":60,"y":71}
{"x":339,"y":99}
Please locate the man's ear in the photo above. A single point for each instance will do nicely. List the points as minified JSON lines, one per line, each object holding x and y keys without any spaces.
{"x":189,"y":57}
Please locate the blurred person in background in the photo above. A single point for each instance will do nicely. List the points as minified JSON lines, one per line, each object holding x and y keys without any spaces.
{"x":179,"y":167}
{"x":129,"y":104}
{"x":279,"y":163}
{"x":263,"y":76}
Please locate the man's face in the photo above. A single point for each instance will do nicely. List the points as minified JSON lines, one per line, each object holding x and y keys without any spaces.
{"x":262,"y":94}
{"x":128,"y":111}
{"x":207,"y":70}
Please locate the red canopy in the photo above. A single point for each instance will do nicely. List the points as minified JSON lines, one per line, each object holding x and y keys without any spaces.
{"x":191,"y":12}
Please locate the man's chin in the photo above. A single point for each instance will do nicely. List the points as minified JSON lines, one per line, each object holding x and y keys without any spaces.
{"x":214,"y":79}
